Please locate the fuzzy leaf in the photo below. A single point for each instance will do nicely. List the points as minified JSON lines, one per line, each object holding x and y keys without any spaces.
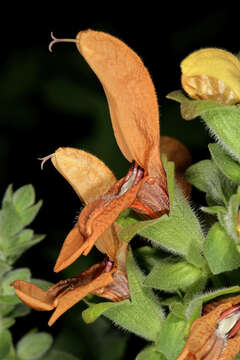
{"x":171,"y":345}
{"x":172,"y":274}
{"x":222,"y":120}
{"x":150,"y":353}
{"x":30,"y":213}
{"x":11,"y":222}
{"x":225,"y":163}
{"x":34,"y":346}
{"x":213,"y":210}
{"x":7,"y":197}
{"x":220,"y":250}
{"x":24,"y":197}
{"x":229,"y":219}
{"x":4,"y":267}
{"x":206,"y":177}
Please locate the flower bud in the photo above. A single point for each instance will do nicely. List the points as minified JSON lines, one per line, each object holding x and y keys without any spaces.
{"x":212,"y":74}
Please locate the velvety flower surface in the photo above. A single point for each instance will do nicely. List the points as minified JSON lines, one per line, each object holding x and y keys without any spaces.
{"x":215,"y":335}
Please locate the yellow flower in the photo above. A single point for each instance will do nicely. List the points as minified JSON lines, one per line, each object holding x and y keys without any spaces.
{"x":215,"y":335}
{"x":212,"y":74}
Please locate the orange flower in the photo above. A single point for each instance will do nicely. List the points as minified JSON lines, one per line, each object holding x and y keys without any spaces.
{"x":135,"y":118}
{"x":108,"y":278}
{"x":215,"y":335}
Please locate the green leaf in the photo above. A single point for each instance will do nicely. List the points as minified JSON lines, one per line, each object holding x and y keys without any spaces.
{"x":11,"y":222}
{"x":142,"y":316}
{"x":222,"y":120}
{"x":150,"y":353}
{"x":30,"y":213}
{"x":94,"y":311}
{"x":19,"y":274}
{"x":229,"y":219}
{"x":149,"y":257}
{"x":172,"y":274}
{"x":213,"y":210}
{"x":179,"y":233}
{"x":59,"y":355}
{"x":171,"y":337}
{"x":24,"y":197}
{"x":7,"y":197}
{"x":220,"y":250}
{"x":5,"y":343}
{"x":34,"y":346}
{"x":7,"y":322}
{"x":225,"y":163}
{"x":4,"y":267}
{"x":14,"y":252}
{"x":20,"y":310}
{"x":206,"y":177}
{"x":127,"y":217}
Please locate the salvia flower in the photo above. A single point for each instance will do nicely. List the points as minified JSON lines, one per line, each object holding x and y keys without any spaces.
{"x":107,"y":278}
{"x":215,"y":335}
{"x":212,"y":74}
{"x":135,"y":119}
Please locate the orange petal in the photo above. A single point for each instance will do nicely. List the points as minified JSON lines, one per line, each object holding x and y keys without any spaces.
{"x":33,"y":296}
{"x":177,"y":152}
{"x":231,"y":349}
{"x":72,"y":297}
{"x":130,"y":93}
{"x":108,"y":243}
{"x":70,"y":249}
{"x":106,"y":213}
{"x":88,"y":175}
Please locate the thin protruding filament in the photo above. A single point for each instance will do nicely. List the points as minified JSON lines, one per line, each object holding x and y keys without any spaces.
{"x":55,"y":40}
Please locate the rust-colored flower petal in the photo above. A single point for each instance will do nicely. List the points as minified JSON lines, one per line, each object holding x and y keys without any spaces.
{"x":88,"y":175}
{"x":65,"y":293}
{"x":33,"y":296}
{"x":69,"y":251}
{"x":210,"y":340}
{"x":95,"y":219}
{"x":177,"y":152}
{"x":72,"y":297}
{"x":108,"y":243}
{"x":131,"y":97}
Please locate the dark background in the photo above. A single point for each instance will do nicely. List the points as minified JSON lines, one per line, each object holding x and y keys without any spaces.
{"x":51,"y":100}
